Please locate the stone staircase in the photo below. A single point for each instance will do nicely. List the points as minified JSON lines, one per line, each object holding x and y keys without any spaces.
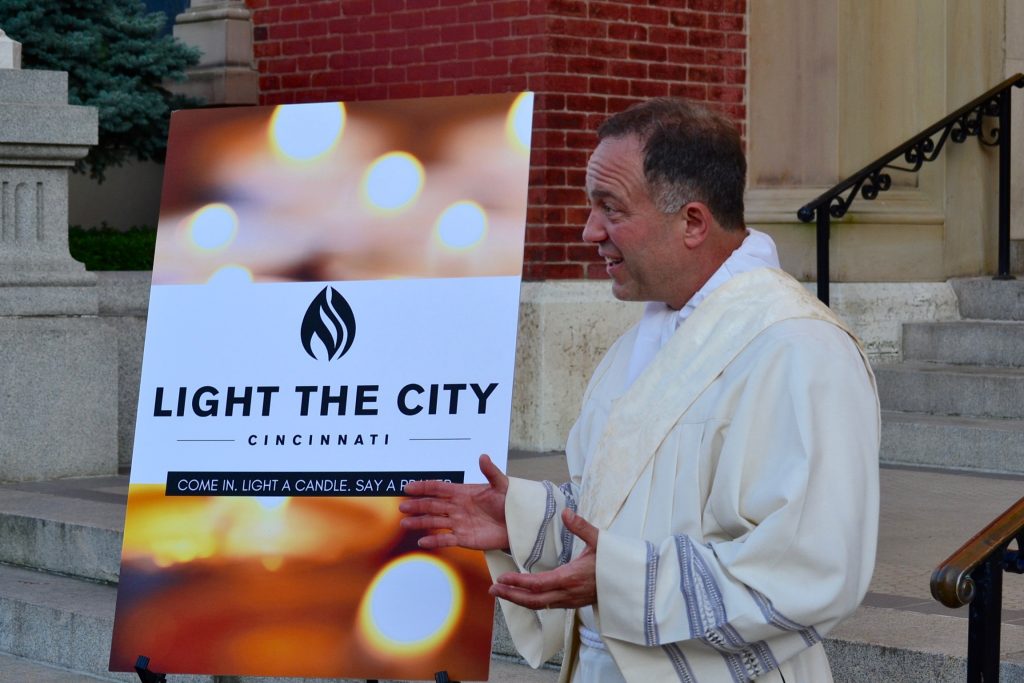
{"x":60,"y":553}
{"x":957,"y":399}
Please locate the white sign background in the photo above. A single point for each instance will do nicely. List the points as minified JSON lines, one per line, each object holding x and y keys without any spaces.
{"x":457,"y":331}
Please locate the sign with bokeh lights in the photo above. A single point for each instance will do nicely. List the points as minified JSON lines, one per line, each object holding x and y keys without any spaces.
{"x":333,"y":314}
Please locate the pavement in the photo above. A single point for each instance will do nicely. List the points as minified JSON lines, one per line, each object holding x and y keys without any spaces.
{"x":925,"y":516}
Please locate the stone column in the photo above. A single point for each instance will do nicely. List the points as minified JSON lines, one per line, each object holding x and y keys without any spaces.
{"x":222,"y":30}
{"x":58,"y":374}
{"x":10,"y":52}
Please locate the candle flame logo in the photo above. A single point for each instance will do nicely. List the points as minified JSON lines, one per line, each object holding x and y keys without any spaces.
{"x":330,"y":319}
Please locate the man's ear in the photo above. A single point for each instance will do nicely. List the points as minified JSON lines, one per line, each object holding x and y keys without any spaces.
{"x":697,"y":224}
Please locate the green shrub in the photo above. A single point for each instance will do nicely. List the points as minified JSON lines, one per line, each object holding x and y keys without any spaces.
{"x":105,"y":248}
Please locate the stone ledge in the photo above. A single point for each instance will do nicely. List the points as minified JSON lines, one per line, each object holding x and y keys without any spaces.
{"x":51,"y":124}
{"x":59,"y":402}
{"x":32,"y":86}
{"x":124,"y":292}
{"x":50,"y":301}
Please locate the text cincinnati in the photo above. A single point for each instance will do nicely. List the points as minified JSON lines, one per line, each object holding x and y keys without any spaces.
{"x":319,"y":439}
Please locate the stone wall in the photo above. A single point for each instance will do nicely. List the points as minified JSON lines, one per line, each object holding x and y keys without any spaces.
{"x":123,"y":307}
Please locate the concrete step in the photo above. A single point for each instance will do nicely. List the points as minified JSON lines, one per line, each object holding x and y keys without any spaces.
{"x":57,"y":620}
{"x":966,"y":342}
{"x":987,"y":299}
{"x":933,"y":648}
{"x":19,"y":670}
{"x":955,"y":443}
{"x":69,"y":526}
{"x":975,"y":391}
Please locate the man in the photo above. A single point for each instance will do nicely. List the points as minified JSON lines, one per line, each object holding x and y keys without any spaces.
{"x":724,"y":464}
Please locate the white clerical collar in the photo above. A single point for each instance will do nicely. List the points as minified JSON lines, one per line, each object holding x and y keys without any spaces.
{"x":660,"y":322}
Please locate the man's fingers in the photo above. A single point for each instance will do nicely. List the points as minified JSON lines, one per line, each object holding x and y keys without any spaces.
{"x":437,"y":541}
{"x":426,"y":522}
{"x":580,"y":527}
{"x":432,"y":487}
{"x":529,"y":599}
{"x":425,"y":506}
{"x":535,"y":583}
{"x":495,"y":476}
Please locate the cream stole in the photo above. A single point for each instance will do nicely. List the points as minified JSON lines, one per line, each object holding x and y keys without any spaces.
{"x":703,"y":346}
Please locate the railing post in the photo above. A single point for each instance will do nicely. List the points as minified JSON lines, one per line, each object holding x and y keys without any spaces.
{"x":1004,"y":186}
{"x":821,"y":240}
{"x":985,"y":620}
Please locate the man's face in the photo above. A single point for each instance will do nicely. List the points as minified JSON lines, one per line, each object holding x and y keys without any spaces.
{"x":642,"y":247}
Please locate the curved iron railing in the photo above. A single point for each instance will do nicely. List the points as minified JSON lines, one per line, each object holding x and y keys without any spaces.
{"x":974,"y":575}
{"x":965,"y":122}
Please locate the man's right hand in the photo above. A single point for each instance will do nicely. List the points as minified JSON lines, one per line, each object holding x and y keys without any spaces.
{"x":465,"y":515}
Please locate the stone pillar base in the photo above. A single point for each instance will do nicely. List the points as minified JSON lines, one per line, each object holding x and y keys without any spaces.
{"x":1017,"y":257}
{"x":223,"y":85}
{"x":48,"y":300}
{"x":222,"y":31}
{"x":58,"y":398}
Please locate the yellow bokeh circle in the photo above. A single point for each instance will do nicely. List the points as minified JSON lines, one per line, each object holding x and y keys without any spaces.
{"x":306,"y":132}
{"x":231,"y":275}
{"x":519,"y":123}
{"x":393,"y":181}
{"x":213,"y":227}
{"x":412,"y":606}
{"x":462,"y":225}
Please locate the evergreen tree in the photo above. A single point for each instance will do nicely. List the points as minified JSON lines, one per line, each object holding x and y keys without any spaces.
{"x":116,"y":61}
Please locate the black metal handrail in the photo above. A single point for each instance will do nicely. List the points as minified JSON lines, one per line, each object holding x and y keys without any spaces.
{"x":967,"y":121}
{"x":974,"y":574}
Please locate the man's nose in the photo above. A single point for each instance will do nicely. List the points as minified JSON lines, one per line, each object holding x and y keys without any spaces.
{"x":593,"y":231}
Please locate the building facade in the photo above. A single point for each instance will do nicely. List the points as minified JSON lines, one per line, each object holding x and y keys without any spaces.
{"x":818,"y":88}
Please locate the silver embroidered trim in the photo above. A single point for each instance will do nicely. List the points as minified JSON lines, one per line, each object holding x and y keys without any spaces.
{"x":549,"y":513}
{"x":650,"y":619}
{"x":809,"y":634}
{"x":679,"y":663}
{"x":570,"y":498}
{"x":709,"y":622}
{"x":568,"y":539}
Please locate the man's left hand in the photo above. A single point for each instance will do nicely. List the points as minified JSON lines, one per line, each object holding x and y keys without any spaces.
{"x":574,"y":584}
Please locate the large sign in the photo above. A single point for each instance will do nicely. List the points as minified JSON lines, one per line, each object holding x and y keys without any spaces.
{"x":333,"y":314}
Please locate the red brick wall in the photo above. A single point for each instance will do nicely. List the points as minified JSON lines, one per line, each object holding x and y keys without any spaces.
{"x":584,"y":59}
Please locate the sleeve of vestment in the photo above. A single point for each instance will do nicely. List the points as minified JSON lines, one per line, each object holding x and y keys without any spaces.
{"x":794,"y":484}
{"x":538,"y":541}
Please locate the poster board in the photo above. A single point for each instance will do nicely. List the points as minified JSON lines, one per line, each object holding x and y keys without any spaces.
{"x":333,"y":313}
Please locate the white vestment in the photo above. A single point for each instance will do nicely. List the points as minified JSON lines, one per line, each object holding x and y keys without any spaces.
{"x":735,"y":486}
